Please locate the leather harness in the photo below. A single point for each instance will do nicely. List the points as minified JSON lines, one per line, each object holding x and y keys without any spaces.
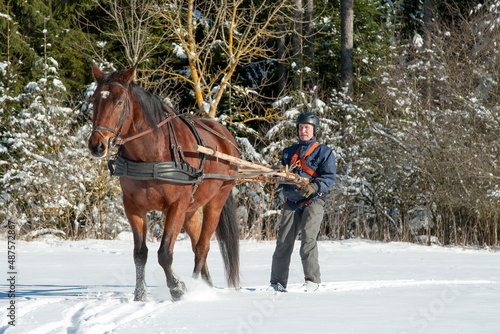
{"x":178,"y":170}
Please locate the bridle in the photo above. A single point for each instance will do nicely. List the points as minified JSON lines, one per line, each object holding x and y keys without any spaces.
{"x":115,"y":141}
{"x":119,"y":124}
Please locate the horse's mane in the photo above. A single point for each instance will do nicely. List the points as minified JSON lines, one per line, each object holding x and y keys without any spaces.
{"x":153,"y":107}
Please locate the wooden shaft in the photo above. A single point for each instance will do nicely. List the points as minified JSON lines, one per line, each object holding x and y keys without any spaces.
{"x":291,"y":176}
{"x":272,"y":179}
{"x":230,"y":158}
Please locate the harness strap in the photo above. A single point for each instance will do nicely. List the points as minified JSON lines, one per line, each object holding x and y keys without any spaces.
{"x":159,"y":125}
{"x":199,"y":139}
{"x":116,"y":84}
{"x":216,"y":133}
{"x":176,"y":172}
{"x":296,"y":162}
{"x":297,"y":207}
{"x":99,"y":128}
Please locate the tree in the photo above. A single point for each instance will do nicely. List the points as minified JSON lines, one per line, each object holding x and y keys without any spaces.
{"x":15,"y":50}
{"x":298,"y":11}
{"x":442,"y":152}
{"x":347,"y":37}
{"x":427,"y":28}
{"x":216,"y":40}
{"x":129,"y":23}
{"x":48,"y":183}
{"x":281,"y":52}
{"x":309,"y":32}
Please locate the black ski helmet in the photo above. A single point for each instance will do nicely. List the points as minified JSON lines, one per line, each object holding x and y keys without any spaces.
{"x":309,"y":118}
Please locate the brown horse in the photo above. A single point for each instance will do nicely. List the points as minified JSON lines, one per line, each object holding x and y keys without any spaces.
{"x":160,"y":170}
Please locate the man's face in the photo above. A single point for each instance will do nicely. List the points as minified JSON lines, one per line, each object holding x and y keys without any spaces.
{"x":306,"y":131}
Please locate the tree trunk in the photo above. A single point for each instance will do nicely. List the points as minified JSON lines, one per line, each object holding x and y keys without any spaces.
{"x":346,"y":41}
{"x":427,"y":45}
{"x":309,"y":43}
{"x":427,"y":23}
{"x":282,"y":69}
{"x":297,"y":45}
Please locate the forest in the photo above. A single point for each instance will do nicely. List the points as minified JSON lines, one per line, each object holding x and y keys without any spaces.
{"x":407,"y":93}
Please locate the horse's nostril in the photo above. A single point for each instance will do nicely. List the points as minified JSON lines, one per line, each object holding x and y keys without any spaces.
{"x":98,"y":149}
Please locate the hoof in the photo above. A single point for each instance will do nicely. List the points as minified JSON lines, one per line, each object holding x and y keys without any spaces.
{"x":140,"y":295}
{"x":178,"y":291}
{"x":140,"y":298}
{"x":208,"y":281}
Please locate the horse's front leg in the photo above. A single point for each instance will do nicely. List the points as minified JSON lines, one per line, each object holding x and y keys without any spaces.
{"x":139,"y":229}
{"x":173,"y":225}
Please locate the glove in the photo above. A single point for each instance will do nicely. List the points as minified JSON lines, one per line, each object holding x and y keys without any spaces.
{"x":308,"y":189}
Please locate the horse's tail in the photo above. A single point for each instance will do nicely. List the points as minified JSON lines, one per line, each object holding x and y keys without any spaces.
{"x":229,"y":242}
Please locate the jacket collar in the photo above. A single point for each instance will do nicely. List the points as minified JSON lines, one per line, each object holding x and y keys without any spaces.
{"x":307,"y":142}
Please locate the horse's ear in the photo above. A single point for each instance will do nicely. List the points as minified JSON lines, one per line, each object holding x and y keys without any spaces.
{"x":97,"y":73}
{"x":129,"y":75}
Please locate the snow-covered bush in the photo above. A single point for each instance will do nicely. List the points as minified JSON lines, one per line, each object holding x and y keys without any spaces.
{"x":437,"y":135}
{"x":49,"y":182}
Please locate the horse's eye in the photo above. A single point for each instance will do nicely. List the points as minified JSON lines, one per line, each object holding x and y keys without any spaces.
{"x":119,"y":103}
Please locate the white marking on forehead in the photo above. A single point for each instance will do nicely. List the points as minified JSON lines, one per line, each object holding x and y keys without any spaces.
{"x":104,"y":94}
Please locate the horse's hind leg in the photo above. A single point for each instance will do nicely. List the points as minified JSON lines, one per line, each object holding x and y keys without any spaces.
{"x":139,"y":229}
{"x":192,"y":226}
{"x":211,"y":215}
{"x":173,"y":225}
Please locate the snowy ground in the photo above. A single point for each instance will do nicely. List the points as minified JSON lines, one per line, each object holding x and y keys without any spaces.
{"x":368,"y":287}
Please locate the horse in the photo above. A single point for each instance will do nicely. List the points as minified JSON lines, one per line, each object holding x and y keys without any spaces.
{"x":159,"y":169}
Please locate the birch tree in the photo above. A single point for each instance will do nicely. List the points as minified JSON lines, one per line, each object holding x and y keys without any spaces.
{"x":309,"y":33}
{"x":347,"y":26}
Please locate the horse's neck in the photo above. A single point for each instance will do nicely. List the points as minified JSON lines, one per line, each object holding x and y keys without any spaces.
{"x":152,"y":147}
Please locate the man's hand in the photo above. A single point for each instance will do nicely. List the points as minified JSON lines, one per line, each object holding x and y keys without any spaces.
{"x":308,"y":189}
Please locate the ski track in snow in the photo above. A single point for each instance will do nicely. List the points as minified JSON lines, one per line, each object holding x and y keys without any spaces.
{"x":56,"y":300}
{"x":90,"y":314}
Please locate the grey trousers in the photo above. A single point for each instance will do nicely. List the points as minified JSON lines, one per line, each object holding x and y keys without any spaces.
{"x":308,"y":222}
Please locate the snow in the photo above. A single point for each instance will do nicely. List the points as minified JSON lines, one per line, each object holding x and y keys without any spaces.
{"x":179,"y":51}
{"x":368,"y":287}
{"x":282,"y":101}
{"x":418,"y":41}
{"x":6,"y":16}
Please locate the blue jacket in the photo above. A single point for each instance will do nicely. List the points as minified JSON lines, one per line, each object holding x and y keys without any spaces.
{"x":321,"y":160}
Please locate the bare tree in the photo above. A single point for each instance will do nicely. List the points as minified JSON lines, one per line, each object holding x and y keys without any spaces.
{"x":347,"y":31}
{"x":428,"y":9}
{"x":446,"y":151}
{"x":298,"y":11}
{"x":428,"y":23}
{"x":234,"y":30}
{"x":133,"y":22}
{"x":309,"y":41}
{"x":281,"y":49}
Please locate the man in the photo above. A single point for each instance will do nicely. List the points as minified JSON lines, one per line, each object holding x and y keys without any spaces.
{"x":304,"y":206}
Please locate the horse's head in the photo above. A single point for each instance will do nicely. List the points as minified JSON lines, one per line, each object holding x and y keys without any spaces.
{"x":111,"y":105}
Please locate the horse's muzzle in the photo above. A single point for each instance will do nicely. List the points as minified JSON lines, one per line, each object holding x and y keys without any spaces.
{"x":98,"y":146}
{"x":98,"y":142}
